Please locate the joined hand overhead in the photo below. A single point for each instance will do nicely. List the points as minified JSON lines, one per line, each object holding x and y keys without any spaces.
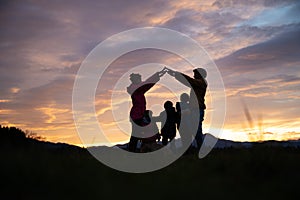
{"x":166,"y":70}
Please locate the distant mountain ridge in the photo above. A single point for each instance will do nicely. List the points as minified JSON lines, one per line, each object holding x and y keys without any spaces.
{"x":13,"y":136}
{"x":223,"y":143}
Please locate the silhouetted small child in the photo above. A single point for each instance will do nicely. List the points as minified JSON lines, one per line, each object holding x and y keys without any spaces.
{"x":183,"y":119}
{"x":182,"y":108}
{"x":168,"y":119}
{"x":150,"y":134}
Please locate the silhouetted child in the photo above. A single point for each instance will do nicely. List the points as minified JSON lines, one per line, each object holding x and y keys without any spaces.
{"x":150,"y":134}
{"x":182,"y":108}
{"x":183,"y":119}
{"x":168,"y":122}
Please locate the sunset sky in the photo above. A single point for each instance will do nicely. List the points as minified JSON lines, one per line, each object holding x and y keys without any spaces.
{"x":254,"y":43}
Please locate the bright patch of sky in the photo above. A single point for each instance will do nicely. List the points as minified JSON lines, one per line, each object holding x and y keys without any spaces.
{"x":276,"y":16}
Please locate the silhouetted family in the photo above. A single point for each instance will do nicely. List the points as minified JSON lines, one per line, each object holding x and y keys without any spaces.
{"x":186,"y":114}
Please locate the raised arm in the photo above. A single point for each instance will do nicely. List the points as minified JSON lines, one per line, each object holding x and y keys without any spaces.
{"x":149,"y":83}
{"x":186,"y":80}
{"x":152,"y":80}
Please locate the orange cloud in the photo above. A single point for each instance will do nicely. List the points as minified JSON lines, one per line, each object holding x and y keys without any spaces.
{"x":14,"y":90}
{"x":53,"y":112}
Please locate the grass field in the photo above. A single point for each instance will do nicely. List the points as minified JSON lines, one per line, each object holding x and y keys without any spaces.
{"x":32,"y":171}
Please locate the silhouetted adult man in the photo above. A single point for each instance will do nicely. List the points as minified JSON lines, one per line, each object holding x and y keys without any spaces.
{"x":198,"y":87}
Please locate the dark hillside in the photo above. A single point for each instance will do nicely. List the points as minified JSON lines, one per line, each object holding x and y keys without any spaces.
{"x":31,"y":169}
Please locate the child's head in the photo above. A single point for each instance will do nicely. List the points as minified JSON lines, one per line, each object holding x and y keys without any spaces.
{"x":184,"y":97}
{"x":148,"y":113}
{"x":168,"y":105}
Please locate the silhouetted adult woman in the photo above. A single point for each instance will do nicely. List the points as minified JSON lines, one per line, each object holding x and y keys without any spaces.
{"x":137,"y":90}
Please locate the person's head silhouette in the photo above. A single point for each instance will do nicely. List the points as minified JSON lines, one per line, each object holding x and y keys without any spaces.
{"x":135,"y":78}
{"x":149,"y":113}
{"x":184,"y":97}
{"x":199,"y":72}
{"x":168,"y":105}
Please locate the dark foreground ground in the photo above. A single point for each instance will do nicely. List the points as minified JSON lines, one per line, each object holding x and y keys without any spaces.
{"x":34,"y":170}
